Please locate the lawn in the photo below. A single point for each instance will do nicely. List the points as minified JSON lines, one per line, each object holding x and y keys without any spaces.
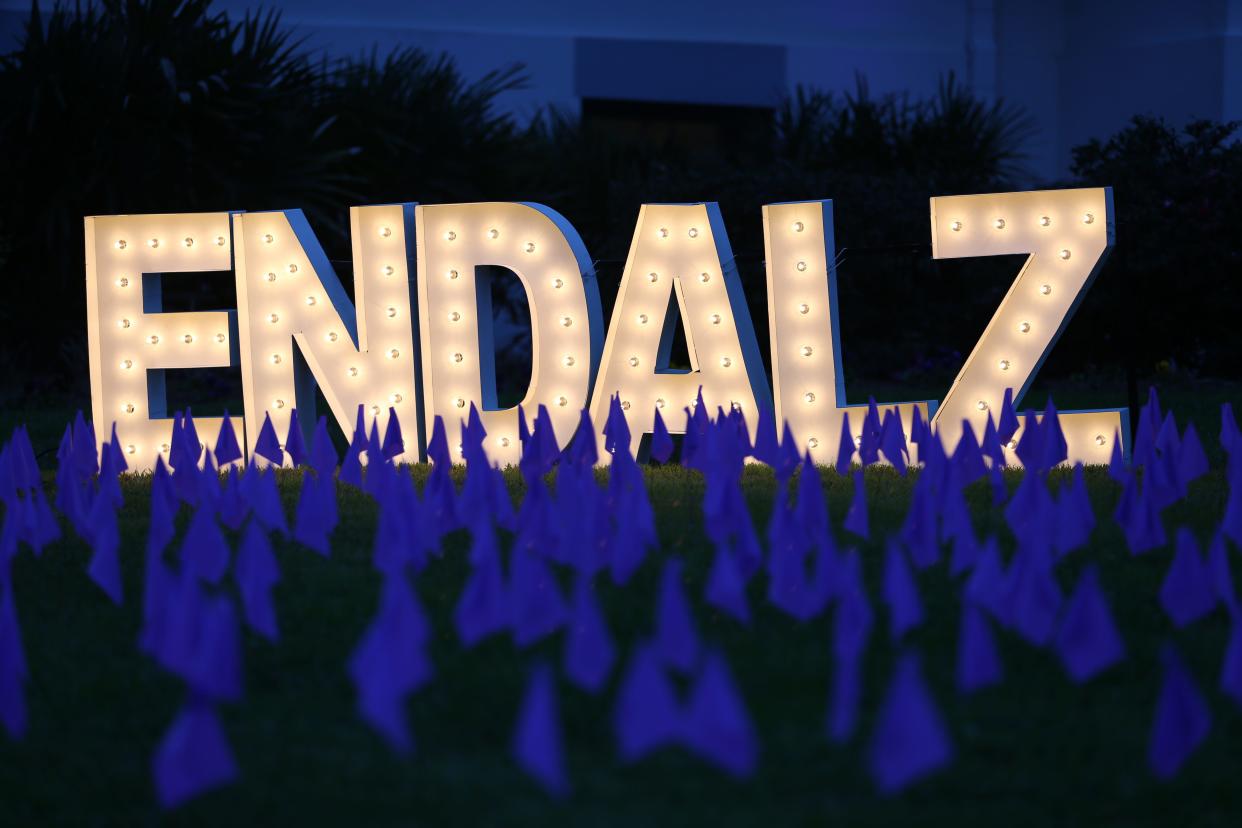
{"x":1037,"y":750}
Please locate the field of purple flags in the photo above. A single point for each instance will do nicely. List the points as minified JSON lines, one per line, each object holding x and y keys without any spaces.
{"x":578,"y":625}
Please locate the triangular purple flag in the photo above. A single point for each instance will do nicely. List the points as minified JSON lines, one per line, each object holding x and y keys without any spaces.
{"x":1188,"y":592}
{"x":13,"y":670}
{"x":978,"y":660}
{"x":227,"y":449}
{"x":537,"y":742}
{"x":646,"y":716}
{"x":589,"y":649}
{"x":910,"y":740}
{"x":726,"y":587}
{"x":193,"y":757}
{"x":1087,"y":640}
{"x":901,"y":593}
{"x":856,"y":517}
{"x":534,"y":598}
{"x":256,"y":572}
{"x":676,"y":641}
{"x":295,"y":443}
{"x":268,"y":444}
{"x":204,"y":552}
{"x":1192,"y":462}
{"x":394,"y":443}
{"x":483,"y":608}
{"x":1182,"y":720}
{"x":1007,"y":425}
{"x":105,"y":566}
{"x":846,"y":447}
{"x":717,"y":726}
{"x":661,"y":442}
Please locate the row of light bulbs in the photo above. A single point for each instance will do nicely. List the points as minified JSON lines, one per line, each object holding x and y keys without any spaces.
{"x":1044,"y":221}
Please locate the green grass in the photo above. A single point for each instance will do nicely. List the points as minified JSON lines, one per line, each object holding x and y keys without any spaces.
{"x":1036,"y":751}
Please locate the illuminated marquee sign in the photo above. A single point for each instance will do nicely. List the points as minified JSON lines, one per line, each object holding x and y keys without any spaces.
{"x":295,"y":329}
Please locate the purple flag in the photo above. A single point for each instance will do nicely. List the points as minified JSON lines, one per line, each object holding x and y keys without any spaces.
{"x":259,"y":487}
{"x":537,"y":743}
{"x":978,"y":661}
{"x":295,"y":442}
{"x":193,"y":757}
{"x":1182,"y":721}
{"x":1007,"y":425}
{"x":910,"y":740}
{"x":589,"y":649}
{"x":204,"y":552}
{"x":483,"y":608}
{"x":901,"y":593}
{"x":856,"y":517}
{"x":256,"y":572}
{"x":676,"y":641}
{"x":394,"y":442}
{"x":535,"y":599}
{"x":661,"y":442}
{"x":1188,"y":592}
{"x":726,"y":587}
{"x":310,"y":527}
{"x":323,"y":454}
{"x":227,"y":449}
{"x":1087,"y":640}
{"x":717,"y":726}
{"x":268,"y":444}
{"x":1032,"y":593}
{"x":846,"y":447}
{"x":1192,"y":462}
{"x":105,"y":566}
{"x":647,"y":716}
{"x":13,"y":671}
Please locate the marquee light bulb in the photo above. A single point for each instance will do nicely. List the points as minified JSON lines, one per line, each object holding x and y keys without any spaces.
{"x":693,"y":232}
{"x":130,"y":449}
{"x":1003,"y":365}
{"x":1064,"y":254}
{"x":1099,"y":440}
{"x":659,"y":402}
{"x":220,"y":240}
{"x":188,"y":241}
{"x":459,"y":402}
{"x":664,"y":232}
{"x":278,"y":403}
{"x":857,"y":442}
{"x":956,"y":226}
{"x":625,"y":404}
{"x":801,"y":267}
{"x":458,"y":357}
{"x":452,"y":274}
{"x":275,"y":359}
{"x":273,"y":318}
{"x":806,"y":350}
{"x":569,"y":361}
{"x":385,"y":232}
{"x":121,"y":244}
{"x":164,"y":448}
{"x":389,"y":270}
{"x":271,"y":276}
{"x":981,"y":405}
{"x":122,"y":282}
{"x":812,"y":443}
{"x":353,"y":371}
{"x":293,"y":268}
{"x":642,"y":319}
{"x":128,"y":408}
{"x":493,"y":233}
{"x":127,"y":364}
{"x":798,"y":227}
{"x":454,"y":317}
{"x":394,"y":353}
{"x":725,"y":362}
{"x":310,"y":301}
{"x":268,"y":238}
{"x":999,"y":224}
{"x":1045,"y":289}
{"x":804,"y":309}
{"x":633,"y":362}
{"x":153,"y":243}
{"x":395,"y":398}
{"x":220,"y":338}
{"x":331,"y":336}
{"x":504,"y":442}
{"x":188,"y":338}
{"x":450,"y":235}
{"x":1045,"y":221}
{"x":808,"y":397}
{"x":124,"y":323}
{"x":1087,"y":218}
{"x":653,"y":277}
{"x":566,"y":321}
{"x":558,"y":283}
{"x":530,"y":247}
{"x":154,"y":340}
{"x":705,"y":277}
{"x":392,"y":312}
{"x":1024,"y":327}
{"x":714,"y":319}
{"x":375,"y":410}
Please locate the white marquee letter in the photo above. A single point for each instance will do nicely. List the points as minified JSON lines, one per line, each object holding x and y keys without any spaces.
{"x":679,"y":249}
{"x":548,"y":256}
{"x":1066,"y":235}
{"x":131,"y":342}
{"x":288,"y":292}
{"x":807,"y":373}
